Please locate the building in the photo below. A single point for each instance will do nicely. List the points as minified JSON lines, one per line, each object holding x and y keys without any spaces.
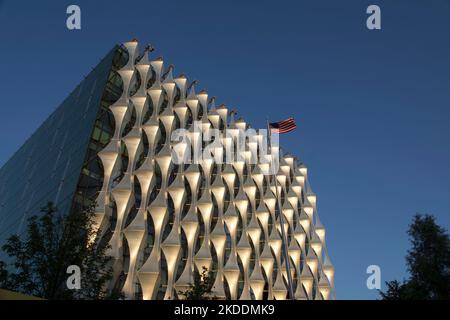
{"x":111,"y":143}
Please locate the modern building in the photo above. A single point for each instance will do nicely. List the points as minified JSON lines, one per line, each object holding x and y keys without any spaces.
{"x":111,"y":143}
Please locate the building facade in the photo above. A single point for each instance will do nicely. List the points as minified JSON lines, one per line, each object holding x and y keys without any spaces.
{"x":111,"y":143}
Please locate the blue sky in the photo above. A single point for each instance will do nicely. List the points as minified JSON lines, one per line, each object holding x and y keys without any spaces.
{"x":372,"y":107}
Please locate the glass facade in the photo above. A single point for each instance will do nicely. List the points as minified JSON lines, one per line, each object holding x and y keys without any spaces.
{"x":48,"y":165}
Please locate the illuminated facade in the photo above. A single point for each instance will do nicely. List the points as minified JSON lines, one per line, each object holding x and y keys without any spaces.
{"x":163,"y":221}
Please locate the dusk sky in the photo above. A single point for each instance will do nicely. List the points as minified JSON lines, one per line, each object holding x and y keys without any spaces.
{"x":372,"y":106}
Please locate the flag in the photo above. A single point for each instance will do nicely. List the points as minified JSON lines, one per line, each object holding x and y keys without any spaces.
{"x":284,"y":126}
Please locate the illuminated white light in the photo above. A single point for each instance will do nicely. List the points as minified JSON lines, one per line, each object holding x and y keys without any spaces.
{"x":223,"y":201}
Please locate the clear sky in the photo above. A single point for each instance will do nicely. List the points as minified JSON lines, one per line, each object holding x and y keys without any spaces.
{"x":372,"y":107}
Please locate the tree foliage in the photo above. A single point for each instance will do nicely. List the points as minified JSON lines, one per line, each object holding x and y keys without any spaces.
{"x":428,"y":263}
{"x":201,"y":288}
{"x":38,"y":261}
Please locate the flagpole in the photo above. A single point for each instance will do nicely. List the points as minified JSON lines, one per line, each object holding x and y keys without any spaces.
{"x":283,"y":235}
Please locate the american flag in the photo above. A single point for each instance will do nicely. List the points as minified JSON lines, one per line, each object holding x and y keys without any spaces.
{"x":284,"y":126}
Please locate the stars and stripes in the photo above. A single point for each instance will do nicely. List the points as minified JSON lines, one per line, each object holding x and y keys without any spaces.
{"x":284,"y":126}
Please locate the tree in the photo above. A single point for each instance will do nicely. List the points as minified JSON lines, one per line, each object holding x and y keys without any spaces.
{"x":38,"y":263}
{"x":428,"y":263}
{"x":202,"y":287}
